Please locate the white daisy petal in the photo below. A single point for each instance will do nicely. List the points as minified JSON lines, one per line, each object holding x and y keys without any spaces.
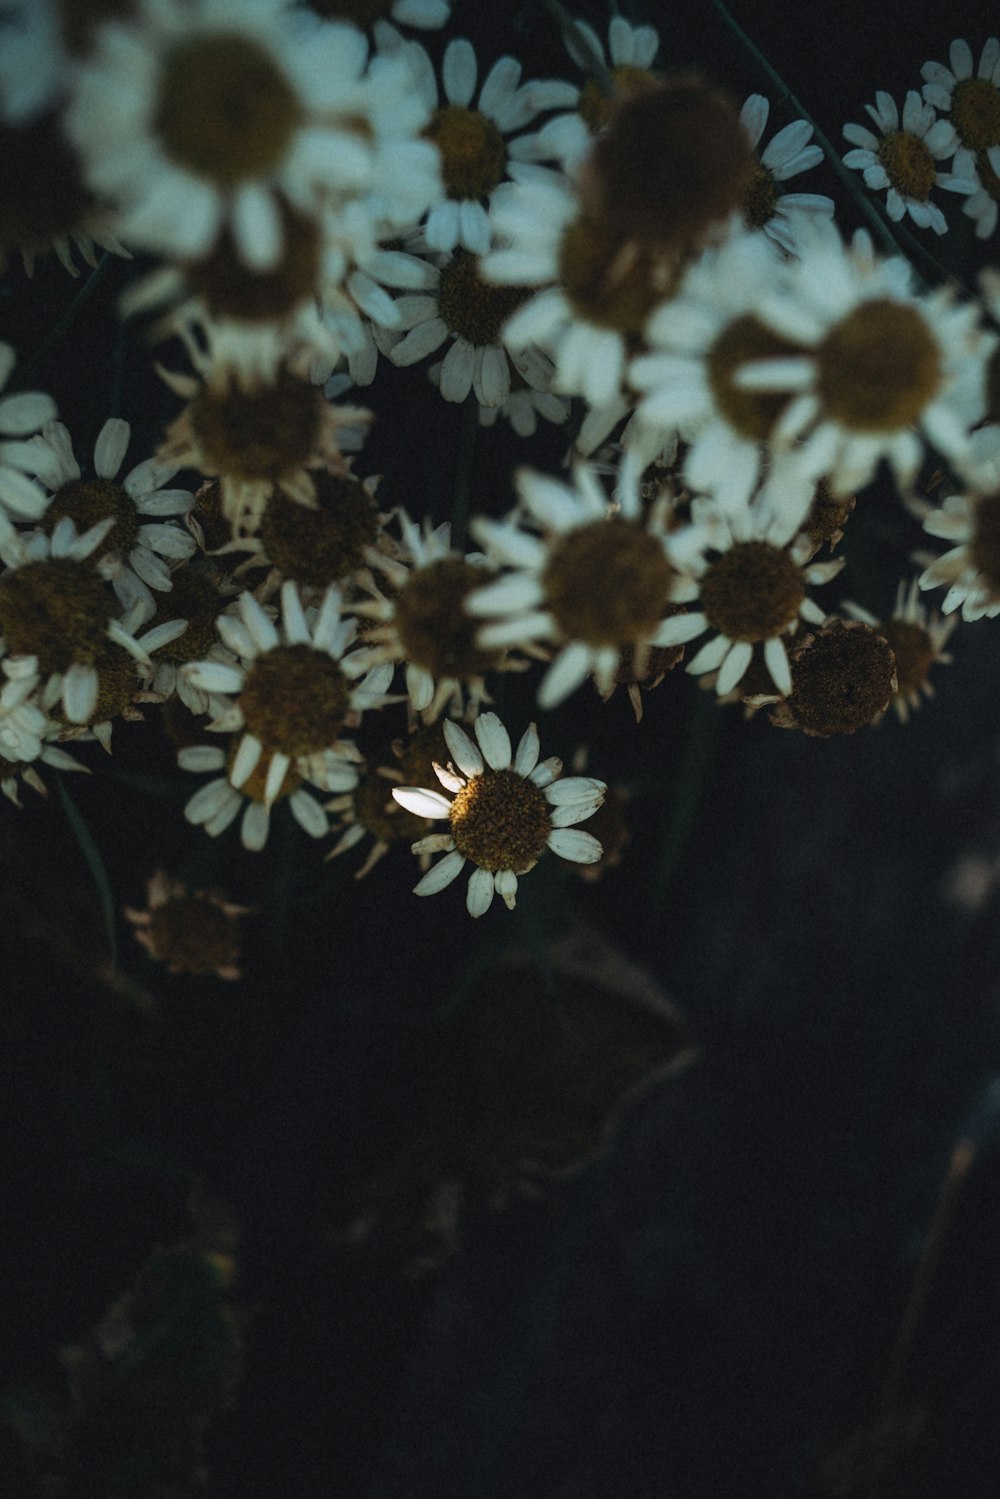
{"x":576,"y":845}
{"x":479,"y":896}
{"x":440,"y":874}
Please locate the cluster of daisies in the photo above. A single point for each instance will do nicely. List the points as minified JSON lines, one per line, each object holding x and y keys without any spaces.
{"x":313,"y":187}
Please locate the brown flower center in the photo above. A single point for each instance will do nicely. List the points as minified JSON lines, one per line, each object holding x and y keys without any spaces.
{"x":842,"y":678}
{"x":379,"y":815}
{"x":434,"y":629}
{"x":264,"y":433}
{"x":317,"y":547}
{"x":196,"y":598}
{"x":255,"y":785}
{"x":473,"y":154}
{"x":471,"y":307}
{"x":984,"y":545}
{"x":828,"y":516}
{"x":56,"y":610}
{"x":752,"y":592}
{"x":752,"y":412}
{"x":878,"y":367}
{"x":671,"y":162}
{"x":613,"y":282}
{"x":225,"y":111}
{"x":295,"y":700}
{"x":607,"y":583}
{"x":595,"y":106}
{"x":908,"y":164}
{"x":231,"y":289}
{"x":975,"y":113}
{"x":193,"y":935}
{"x":760,"y":198}
{"x":87,"y":501}
{"x":500,"y":820}
{"x":914,"y":652}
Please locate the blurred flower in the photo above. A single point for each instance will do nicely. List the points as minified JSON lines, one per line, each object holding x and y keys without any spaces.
{"x":189,"y":931}
{"x":916,"y":638}
{"x":20,"y":415}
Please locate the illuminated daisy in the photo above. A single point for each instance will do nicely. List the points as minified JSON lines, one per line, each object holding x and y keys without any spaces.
{"x":21,"y":415}
{"x":596,"y":580}
{"x":135,"y":505}
{"x":288,"y":693}
{"x":57,"y":611}
{"x":904,"y":161}
{"x":698,"y":342}
{"x":916,"y":637}
{"x":505,"y":810}
{"x":792,"y":151}
{"x":972,"y":102}
{"x":479,"y":144}
{"x":419,"y":618}
{"x":194,"y":116}
{"x":751,"y":582}
{"x":880,"y":367}
{"x":188,"y":931}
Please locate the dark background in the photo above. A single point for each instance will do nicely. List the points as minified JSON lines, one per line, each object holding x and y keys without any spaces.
{"x":713,"y":1305}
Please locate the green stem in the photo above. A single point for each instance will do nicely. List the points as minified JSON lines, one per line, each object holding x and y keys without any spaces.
{"x":95,"y":864}
{"x":463,"y":473}
{"x":28,"y":370}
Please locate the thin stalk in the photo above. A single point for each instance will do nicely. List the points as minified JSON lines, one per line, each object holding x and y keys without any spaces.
{"x":27,"y":371}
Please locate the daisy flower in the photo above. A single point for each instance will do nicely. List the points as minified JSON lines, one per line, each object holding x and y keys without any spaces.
{"x":843,"y":679}
{"x":751,"y":581}
{"x":189,"y":931}
{"x":791,"y":151}
{"x":904,"y":161}
{"x":505,"y":810}
{"x":288,"y":694}
{"x":916,"y":637}
{"x":134,"y":504}
{"x":970,"y":521}
{"x":57,"y":612}
{"x":369,"y":811}
{"x":420,"y":619}
{"x":254,"y":436}
{"x":461,"y":306}
{"x":879,"y":366}
{"x":216,"y":805}
{"x":21,"y":415}
{"x":698,"y":342}
{"x":595,"y":580}
{"x":628,"y":57}
{"x":972,"y":102}
{"x":479,"y":145}
{"x":192,"y":116}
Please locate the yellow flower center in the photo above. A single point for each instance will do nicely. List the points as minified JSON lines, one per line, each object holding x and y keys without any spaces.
{"x":500,"y":820}
{"x":607,"y":583}
{"x":295,"y":700}
{"x":471,"y":307}
{"x":434,"y":630}
{"x":473,"y":154}
{"x":879,"y":367}
{"x":975,"y":113}
{"x":56,"y":610}
{"x":752,"y":592}
{"x":908,"y":164}
{"x":264,"y":433}
{"x":752,"y":412}
{"x":196,"y":598}
{"x":225,"y":110}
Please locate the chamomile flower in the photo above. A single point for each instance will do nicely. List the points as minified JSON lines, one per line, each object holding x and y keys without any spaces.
{"x":916,"y":637}
{"x":751,"y":582}
{"x":595,"y":580}
{"x":479,"y":144}
{"x":57,"y":612}
{"x":369,"y":811}
{"x":904,"y":161}
{"x":193,"y":116}
{"x":792,"y":151}
{"x":970,"y":521}
{"x":972,"y":102}
{"x":139,"y":505}
{"x":460,"y":306}
{"x":217,"y":804}
{"x":879,"y":367}
{"x":21,"y":415}
{"x":288,"y":693}
{"x":698,"y":341}
{"x":843,"y":678}
{"x":189,"y":931}
{"x":255,"y":435}
{"x":628,"y":57}
{"x":505,"y":810}
{"x":419,"y":619}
